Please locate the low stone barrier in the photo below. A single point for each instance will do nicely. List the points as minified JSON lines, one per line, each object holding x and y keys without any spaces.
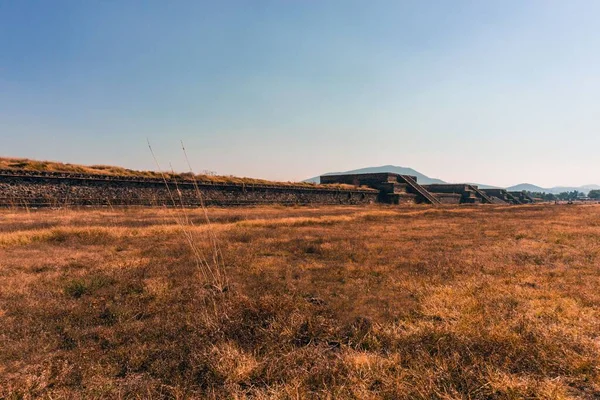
{"x":50,"y":189}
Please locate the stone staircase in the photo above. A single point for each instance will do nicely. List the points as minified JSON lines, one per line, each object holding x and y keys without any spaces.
{"x":412,"y":183}
{"x":513,"y":199}
{"x":484,"y":197}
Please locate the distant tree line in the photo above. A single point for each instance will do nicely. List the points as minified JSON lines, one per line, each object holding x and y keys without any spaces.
{"x":565,"y":196}
{"x":594,"y":194}
{"x":542,"y":195}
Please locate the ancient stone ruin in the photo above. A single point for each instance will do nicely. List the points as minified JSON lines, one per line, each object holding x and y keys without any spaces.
{"x":20,"y":188}
{"x":396,"y":189}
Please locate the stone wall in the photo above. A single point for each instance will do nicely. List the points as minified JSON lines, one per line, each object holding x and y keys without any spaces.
{"x":501,"y":196}
{"x":448,"y":198}
{"x":45,"y":189}
{"x":468,"y":193}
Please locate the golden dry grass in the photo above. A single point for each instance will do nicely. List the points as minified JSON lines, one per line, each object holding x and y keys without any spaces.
{"x":376,"y":302}
{"x":25,"y":164}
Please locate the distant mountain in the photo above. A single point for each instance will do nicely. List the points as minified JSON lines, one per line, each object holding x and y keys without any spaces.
{"x":591,"y":187}
{"x":421,"y":178}
{"x":555,"y":190}
{"x":484,"y":186}
{"x":584,"y":188}
{"x":527,"y":187}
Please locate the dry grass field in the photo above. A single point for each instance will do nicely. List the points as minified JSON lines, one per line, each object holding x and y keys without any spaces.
{"x":488,"y":302}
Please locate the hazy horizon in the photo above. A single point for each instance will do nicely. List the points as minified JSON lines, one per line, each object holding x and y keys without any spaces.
{"x":499,"y":93}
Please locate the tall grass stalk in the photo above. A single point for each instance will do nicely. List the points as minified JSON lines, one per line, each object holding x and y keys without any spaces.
{"x":217,"y":254}
{"x":211,"y":268}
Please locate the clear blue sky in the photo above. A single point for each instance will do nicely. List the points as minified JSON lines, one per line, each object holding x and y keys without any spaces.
{"x":497,"y":92}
